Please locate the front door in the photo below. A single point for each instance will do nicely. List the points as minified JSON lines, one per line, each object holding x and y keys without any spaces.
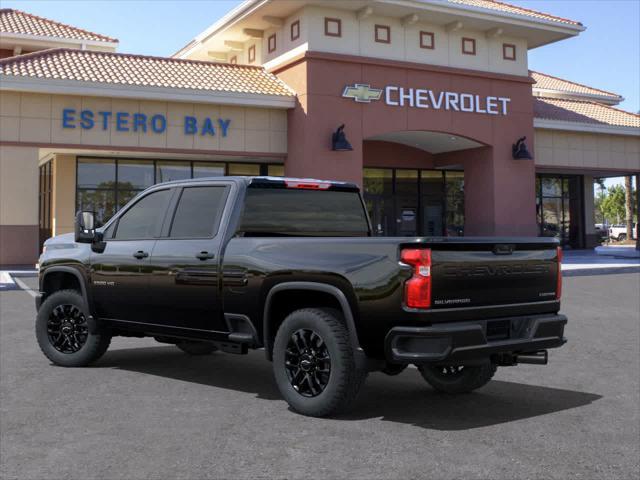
{"x":186,"y":261}
{"x":120,"y":273}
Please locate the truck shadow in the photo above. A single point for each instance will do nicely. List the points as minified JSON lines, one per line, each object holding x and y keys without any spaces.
{"x":405,"y":398}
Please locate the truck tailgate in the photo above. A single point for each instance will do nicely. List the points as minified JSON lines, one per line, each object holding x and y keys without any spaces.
{"x":471,"y":274}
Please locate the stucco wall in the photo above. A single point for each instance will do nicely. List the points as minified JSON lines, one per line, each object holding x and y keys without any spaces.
{"x":358,"y":38}
{"x":37,"y":118}
{"x":18,"y":205}
{"x":554,"y":148}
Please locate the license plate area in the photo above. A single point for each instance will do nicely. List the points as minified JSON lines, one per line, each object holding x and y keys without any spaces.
{"x":498,"y":330}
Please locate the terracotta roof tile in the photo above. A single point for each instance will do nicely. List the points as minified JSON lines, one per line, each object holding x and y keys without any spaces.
{"x":16,"y":21}
{"x":513,"y":9}
{"x":583,"y":112}
{"x":144,"y":71}
{"x":548,"y":82}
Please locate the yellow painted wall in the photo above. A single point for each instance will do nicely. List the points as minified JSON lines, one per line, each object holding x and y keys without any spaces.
{"x":18,"y":185}
{"x":30,"y":117}
{"x":554,"y":148}
{"x":63,"y":196}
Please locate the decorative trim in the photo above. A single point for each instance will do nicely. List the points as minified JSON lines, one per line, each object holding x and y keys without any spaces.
{"x":382,"y":34}
{"x":585,"y":127}
{"x":295,"y":30}
{"x":508,"y":51}
{"x":233,"y":60}
{"x":125,"y":149}
{"x":271,"y":43}
{"x":251,"y":55}
{"x":466,"y":41}
{"x":336,"y":22}
{"x":430,"y":38}
{"x":338,"y":57}
{"x":167,"y":94}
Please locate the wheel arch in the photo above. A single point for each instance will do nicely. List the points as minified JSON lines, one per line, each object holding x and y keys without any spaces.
{"x":64,"y":278}
{"x":331,"y":291}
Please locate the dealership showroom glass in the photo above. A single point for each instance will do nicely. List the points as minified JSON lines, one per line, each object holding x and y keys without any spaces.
{"x":446,"y":129}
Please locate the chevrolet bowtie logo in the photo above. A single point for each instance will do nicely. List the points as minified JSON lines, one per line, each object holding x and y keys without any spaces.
{"x":362,"y":93}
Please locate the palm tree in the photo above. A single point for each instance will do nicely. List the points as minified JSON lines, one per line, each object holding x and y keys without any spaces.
{"x":628,"y":206}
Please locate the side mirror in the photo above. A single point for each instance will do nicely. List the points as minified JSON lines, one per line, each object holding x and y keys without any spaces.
{"x":85,"y":227}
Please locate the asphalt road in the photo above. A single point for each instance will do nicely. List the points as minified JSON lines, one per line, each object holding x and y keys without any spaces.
{"x":149,"y":411}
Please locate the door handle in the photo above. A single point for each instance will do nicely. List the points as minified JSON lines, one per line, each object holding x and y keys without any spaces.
{"x":140,"y":254}
{"x":205,"y":255}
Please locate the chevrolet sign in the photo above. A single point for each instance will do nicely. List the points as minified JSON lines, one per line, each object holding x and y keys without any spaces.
{"x":362,"y":93}
{"x":424,"y":98}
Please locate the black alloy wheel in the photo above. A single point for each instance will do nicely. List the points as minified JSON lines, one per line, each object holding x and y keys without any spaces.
{"x":65,"y":333}
{"x":307,"y":362}
{"x":67,"y":329}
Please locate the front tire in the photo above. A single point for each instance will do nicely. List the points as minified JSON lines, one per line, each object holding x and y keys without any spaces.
{"x":63,"y":334}
{"x":456,"y":379}
{"x":314,"y":363}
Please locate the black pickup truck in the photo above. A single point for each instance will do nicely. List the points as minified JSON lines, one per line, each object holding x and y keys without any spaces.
{"x":290,"y":266}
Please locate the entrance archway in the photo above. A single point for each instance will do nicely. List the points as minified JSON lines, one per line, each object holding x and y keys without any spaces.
{"x":414,"y":182}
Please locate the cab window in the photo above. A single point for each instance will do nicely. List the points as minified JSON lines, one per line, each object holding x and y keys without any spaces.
{"x":144,"y":219}
{"x":198,"y":212}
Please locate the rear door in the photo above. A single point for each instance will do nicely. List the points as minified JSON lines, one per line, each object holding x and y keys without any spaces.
{"x":186,"y":260}
{"x":479,"y":274}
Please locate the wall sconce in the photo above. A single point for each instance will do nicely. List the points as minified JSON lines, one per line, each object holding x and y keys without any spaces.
{"x":519,"y":150}
{"x":339,"y":142}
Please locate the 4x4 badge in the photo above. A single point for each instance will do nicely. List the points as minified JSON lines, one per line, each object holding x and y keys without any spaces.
{"x":362,"y":93}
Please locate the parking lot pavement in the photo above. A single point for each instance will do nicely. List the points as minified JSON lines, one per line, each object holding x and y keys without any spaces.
{"x":149,"y":411}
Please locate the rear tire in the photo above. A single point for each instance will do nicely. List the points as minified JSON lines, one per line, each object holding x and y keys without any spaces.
{"x":314,"y":363}
{"x":457,"y":379}
{"x":62,"y":331}
{"x":196,"y":348}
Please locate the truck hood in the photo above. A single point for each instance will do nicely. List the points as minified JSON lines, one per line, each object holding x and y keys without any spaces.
{"x":61,"y":240}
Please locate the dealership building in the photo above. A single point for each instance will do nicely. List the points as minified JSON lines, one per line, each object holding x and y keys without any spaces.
{"x":434,"y":96}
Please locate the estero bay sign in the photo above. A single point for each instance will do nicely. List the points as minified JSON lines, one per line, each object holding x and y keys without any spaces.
{"x":140,"y":122}
{"x":424,"y":98}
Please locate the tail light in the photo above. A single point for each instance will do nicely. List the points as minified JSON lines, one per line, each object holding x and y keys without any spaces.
{"x":559,"y":286}
{"x":417,"y":290}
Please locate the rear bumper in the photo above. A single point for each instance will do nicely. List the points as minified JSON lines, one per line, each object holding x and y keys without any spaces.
{"x":464,"y":341}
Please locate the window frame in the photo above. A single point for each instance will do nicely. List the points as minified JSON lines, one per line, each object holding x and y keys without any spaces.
{"x":473,"y":51}
{"x":118,"y":216}
{"x":175,"y":202}
{"x":272,"y":43}
{"x":379,"y":28}
{"x":251,"y":53}
{"x":505,"y":49}
{"x":430,"y":35}
{"x":338,"y":22}
{"x":295,"y":27}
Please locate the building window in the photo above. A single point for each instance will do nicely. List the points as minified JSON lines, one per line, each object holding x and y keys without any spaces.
{"x":332,"y":27}
{"x":468,"y":46}
{"x":559,"y":207}
{"x":252,"y":53}
{"x":508,"y":51}
{"x":271,"y":43}
{"x":104,"y":185}
{"x":233,"y":60}
{"x":295,"y":30}
{"x":383,"y":34}
{"x":414,"y":202}
{"x":427,"y":40}
{"x":44,"y":202}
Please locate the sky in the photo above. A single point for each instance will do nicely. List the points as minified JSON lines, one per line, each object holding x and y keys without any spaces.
{"x":605,"y":56}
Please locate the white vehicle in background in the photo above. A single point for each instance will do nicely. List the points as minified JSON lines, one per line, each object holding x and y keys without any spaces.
{"x":619,"y":232}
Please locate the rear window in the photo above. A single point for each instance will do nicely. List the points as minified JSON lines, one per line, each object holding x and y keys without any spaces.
{"x":275,"y":211}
